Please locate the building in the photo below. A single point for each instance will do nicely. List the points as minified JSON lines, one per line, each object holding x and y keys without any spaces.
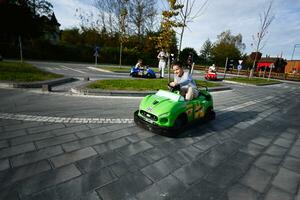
{"x":264,"y":64}
{"x":293,"y":66}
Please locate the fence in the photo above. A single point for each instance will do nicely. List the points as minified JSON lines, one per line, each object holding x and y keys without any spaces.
{"x":274,"y":75}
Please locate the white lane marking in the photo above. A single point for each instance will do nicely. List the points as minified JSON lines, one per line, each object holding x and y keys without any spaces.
{"x":249,"y":103}
{"x":76,"y":70}
{"x":39,"y":118}
{"x":100,"y":70}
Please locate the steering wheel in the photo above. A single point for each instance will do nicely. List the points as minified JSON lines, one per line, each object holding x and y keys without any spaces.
{"x":175,"y":88}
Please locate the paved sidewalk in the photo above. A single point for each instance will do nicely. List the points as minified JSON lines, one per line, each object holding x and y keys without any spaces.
{"x":250,"y":152}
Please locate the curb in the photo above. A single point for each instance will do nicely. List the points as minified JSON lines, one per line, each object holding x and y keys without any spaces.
{"x":100,"y":92}
{"x":37,"y":84}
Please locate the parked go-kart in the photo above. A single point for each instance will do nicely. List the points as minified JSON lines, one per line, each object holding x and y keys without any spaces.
{"x":167,"y":112}
{"x":211,"y":75}
{"x":143,"y":73}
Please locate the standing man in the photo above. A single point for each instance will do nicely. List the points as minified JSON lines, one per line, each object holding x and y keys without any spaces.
{"x":162,"y":58}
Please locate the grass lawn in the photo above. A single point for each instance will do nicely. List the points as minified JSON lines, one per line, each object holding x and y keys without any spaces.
{"x":139,"y":84}
{"x":23,"y":72}
{"x":253,"y":81}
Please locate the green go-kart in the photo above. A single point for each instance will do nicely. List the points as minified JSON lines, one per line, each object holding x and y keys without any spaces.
{"x":167,"y":112}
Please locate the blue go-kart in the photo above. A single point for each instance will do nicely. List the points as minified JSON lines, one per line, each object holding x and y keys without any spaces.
{"x":142,"y":73}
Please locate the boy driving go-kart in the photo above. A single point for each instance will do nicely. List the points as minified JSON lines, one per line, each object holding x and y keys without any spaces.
{"x":188,"y":87}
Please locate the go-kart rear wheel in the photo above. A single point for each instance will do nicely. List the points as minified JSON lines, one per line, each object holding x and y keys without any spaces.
{"x":210,"y":114}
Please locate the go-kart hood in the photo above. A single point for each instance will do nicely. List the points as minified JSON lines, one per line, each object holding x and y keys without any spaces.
{"x":160,"y":103}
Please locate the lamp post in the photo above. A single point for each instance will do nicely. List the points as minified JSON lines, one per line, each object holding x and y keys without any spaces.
{"x":295,"y":46}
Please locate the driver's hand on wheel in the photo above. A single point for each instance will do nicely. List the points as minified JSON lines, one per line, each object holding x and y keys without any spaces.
{"x":172,"y":84}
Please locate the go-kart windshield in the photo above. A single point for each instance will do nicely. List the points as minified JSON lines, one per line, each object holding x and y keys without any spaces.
{"x":170,"y":95}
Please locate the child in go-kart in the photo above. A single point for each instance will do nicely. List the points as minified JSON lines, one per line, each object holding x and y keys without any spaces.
{"x":139,"y":65}
{"x":212,"y":68}
{"x":188,"y":87}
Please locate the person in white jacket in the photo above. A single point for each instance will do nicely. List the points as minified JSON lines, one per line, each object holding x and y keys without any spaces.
{"x":188,"y":87}
{"x":162,"y":58}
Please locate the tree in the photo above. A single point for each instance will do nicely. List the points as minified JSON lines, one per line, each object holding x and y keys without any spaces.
{"x":141,"y":15}
{"x":184,"y":54}
{"x":205,"y":52}
{"x":23,"y":19}
{"x":187,"y":14}
{"x":227,"y":45}
{"x":265,"y":21}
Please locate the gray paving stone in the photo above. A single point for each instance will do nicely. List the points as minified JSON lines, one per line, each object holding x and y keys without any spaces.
{"x":268,"y":163}
{"x":154,"y":153}
{"x":84,"y":132}
{"x":167,"y":148}
{"x":35,"y":156}
{"x":190,"y":153}
{"x":135,"y":148}
{"x":277,"y":194}
{"x":120,"y":168}
{"x":3,"y":144}
{"x":283,"y":142}
{"x":15,"y":150}
{"x":9,"y":194}
{"x":157,"y":140}
{"x":70,"y":129}
{"x":11,"y":176}
{"x":167,"y":188}
{"x":288,"y":136}
{"x":137,"y":162}
{"x":201,"y":190}
{"x":287,"y":180}
{"x":78,"y":188}
{"x":297,"y":143}
{"x":114,"y":135}
{"x":98,"y":162}
{"x":74,"y":156}
{"x":4,"y":164}
{"x":30,"y":138}
{"x":275,"y":150}
{"x":111,"y":145}
{"x":191,"y":173}
{"x":48,"y":179}
{"x":22,"y":126}
{"x":224,"y":175}
{"x":55,"y":141}
{"x":44,"y":128}
{"x":263,"y":141}
{"x":82,"y":143}
{"x":295,"y":151}
{"x":292,"y":164}
{"x":256,"y":179}
{"x":252,"y":149}
{"x":161,"y":168}
{"x":240,"y":192}
{"x":90,"y":196}
{"x":12,"y":134}
{"x":241,"y":160}
{"x":206,"y":143}
{"x":127,"y":186}
{"x":219,"y":153}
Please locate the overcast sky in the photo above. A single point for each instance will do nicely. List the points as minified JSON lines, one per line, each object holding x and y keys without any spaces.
{"x":238,"y":16}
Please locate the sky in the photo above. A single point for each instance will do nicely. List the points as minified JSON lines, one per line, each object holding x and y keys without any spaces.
{"x":238,"y":16}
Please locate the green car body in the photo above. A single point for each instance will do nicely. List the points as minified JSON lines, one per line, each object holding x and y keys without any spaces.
{"x":168,"y":112}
